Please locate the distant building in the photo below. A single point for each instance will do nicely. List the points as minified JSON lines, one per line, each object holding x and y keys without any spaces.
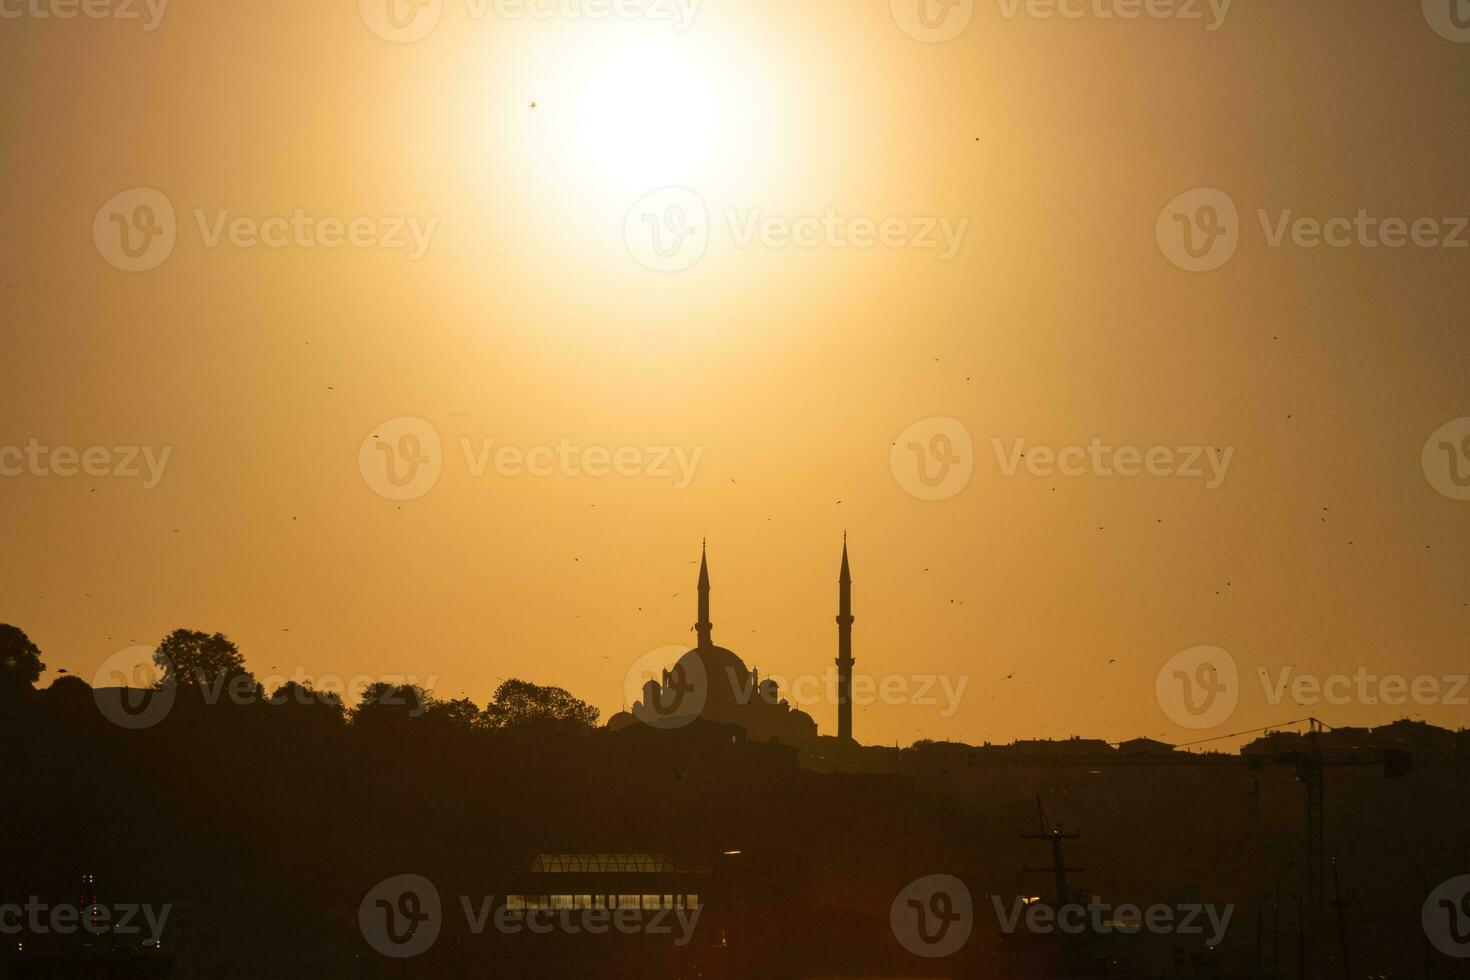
{"x":1144,"y":746}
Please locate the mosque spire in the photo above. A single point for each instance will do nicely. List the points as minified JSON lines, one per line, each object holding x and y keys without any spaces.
{"x":844,"y":648}
{"x":704,"y":626}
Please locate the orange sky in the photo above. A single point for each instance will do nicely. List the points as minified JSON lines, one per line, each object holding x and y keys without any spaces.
{"x":789,"y":370}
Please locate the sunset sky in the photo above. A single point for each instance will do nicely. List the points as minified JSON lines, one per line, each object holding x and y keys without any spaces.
{"x":788,"y":371}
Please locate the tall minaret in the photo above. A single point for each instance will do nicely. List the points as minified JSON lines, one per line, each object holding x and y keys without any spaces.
{"x":844,"y":649}
{"x":704,"y":626}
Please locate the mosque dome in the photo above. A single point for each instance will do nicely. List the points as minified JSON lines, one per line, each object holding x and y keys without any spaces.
{"x":722,"y":674}
{"x":712,"y":682}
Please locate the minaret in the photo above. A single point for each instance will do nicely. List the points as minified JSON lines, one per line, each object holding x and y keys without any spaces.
{"x":704,"y":626}
{"x":844,"y":649}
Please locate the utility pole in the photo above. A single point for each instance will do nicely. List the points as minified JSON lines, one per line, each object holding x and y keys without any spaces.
{"x":1058,"y":869}
{"x":1310,"y":771}
{"x":1340,"y":905}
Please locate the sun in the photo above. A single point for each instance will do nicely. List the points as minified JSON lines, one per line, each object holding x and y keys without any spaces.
{"x":647,"y":116}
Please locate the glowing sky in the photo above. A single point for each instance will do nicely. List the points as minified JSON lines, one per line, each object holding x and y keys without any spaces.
{"x":789,"y":369}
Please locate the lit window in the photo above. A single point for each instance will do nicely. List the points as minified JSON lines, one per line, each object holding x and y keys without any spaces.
{"x":650,"y":902}
{"x":627,"y":901}
{"x":561,"y":901}
{"x":692,"y":901}
{"x":515,"y":903}
{"x":668,"y":901}
{"x":581,"y":901}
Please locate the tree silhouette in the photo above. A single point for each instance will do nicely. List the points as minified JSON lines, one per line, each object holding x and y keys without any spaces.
{"x":303,"y":701}
{"x":194,"y":659}
{"x":460,"y":713}
{"x":20,"y":661}
{"x":385,"y":704}
{"x":520,"y":704}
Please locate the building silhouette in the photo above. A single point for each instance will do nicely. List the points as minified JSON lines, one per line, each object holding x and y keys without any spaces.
{"x":712,"y":683}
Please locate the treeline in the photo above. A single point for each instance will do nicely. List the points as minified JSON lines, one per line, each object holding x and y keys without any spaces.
{"x":199,"y":668}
